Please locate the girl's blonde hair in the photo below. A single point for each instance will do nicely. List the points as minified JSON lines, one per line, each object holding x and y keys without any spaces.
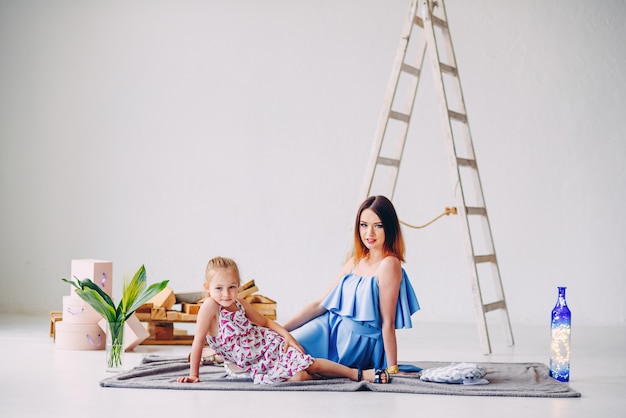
{"x":221,"y":263}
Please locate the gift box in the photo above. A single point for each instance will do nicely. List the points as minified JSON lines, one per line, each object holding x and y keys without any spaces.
{"x":100,"y":272}
{"x":68,"y":336}
{"x":77,"y":311}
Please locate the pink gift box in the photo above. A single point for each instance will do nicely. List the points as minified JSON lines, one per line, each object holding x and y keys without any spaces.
{"x":100,"y":272}
{"x":77,"y":311}
{"x":70,"y":336}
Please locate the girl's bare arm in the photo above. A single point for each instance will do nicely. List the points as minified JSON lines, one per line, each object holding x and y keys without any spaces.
{"x":205,"y":323}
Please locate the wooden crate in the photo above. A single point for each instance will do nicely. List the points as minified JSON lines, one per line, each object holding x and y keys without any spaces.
{"x":55,"y":316}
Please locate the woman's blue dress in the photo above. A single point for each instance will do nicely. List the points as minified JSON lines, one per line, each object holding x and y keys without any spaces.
{"x":350,"y":331}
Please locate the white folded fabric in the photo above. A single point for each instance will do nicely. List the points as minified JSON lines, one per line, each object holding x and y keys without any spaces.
{"x":463,"y":373}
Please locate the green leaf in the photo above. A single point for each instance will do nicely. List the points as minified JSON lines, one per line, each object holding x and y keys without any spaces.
{"x":94,"y":296}
{"x":87,"y":283}
{"x":148,"y":294}
{"x":72,"y":282}
{"x":134,"y":294}
{"x":132,"y":290}
{"x":95,"y":300}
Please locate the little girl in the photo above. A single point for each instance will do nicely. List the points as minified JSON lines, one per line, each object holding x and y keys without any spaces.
{"x":256,"y":344}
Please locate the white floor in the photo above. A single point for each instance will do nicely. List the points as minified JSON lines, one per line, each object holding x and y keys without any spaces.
{"x":39,"y":380}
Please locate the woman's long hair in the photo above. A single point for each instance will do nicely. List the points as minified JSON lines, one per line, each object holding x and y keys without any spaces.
{"x":394,"y":243}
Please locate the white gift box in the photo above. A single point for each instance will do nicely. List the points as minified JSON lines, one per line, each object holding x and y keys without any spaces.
{"x":134,"y":332}
{"x":70,"y":336}
{"x":77,"y":311}
{"x":100,"y":272}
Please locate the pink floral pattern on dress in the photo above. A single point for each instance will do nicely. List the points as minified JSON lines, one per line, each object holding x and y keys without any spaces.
{"x":257,"y":350}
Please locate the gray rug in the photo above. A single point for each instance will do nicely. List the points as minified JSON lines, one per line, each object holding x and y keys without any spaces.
{"x":505,"y":379}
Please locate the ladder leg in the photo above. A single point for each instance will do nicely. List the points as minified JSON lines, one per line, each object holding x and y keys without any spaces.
{"x":389,"y":111}
{"x":430,"y":16}
{"x":463,"y":165}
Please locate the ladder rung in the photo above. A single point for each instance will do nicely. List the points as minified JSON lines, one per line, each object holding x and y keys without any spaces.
{"x":410,"y":69}
{"x":388,"y":161}
{"x":436,"y":21}
{"x":488,"y":307}
{"x":399,"y":116}
{"x":489,"y":258}
{"x":448,"y":69}
{"x":466,"y":162}
{"x":458,"y":116}
{"x":475,"y":211}
{"x":440,"y":22}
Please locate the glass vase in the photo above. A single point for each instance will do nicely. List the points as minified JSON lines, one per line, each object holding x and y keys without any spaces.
{"x":115,"y":347}
{"x":560,"y":328}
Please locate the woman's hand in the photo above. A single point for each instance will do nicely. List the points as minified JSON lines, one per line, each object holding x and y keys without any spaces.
{"x":188,"y":379}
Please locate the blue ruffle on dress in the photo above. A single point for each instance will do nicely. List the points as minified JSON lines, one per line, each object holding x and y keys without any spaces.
{"x":350,"y":331}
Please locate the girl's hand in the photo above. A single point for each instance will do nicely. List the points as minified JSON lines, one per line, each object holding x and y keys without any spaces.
{"x":188,"y":379}
{"x":291,"y":342}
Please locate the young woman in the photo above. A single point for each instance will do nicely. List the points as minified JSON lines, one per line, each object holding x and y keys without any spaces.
{"x":256,"y":344}
{"x":354,"y":322}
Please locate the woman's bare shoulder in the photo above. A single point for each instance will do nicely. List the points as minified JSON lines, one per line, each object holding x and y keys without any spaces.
{"x":390,"y":269}
{"x":391,"y":262}
{"x":348,"y":266}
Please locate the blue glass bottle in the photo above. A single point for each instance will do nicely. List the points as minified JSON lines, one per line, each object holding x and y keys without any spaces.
{"x":560,"y":328}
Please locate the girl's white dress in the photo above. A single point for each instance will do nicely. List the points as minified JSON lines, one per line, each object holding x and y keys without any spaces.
{"x":257,"y":350}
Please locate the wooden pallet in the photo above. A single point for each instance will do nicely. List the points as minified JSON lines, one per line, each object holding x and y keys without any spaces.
{"x":163,"y":332}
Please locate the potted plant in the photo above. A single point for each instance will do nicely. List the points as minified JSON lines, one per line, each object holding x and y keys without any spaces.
{"x":135,"y":293}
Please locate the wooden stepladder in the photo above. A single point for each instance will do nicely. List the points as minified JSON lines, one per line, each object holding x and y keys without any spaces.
{"x":426,"y":28}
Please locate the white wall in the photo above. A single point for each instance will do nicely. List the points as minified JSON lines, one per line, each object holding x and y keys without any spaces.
{"x":167,"y":132}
